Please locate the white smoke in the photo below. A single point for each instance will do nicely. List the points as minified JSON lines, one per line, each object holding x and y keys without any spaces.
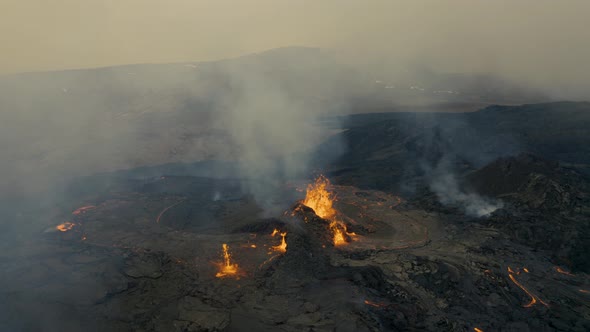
{"x":447,"y":189}
{"x":272,"y":131}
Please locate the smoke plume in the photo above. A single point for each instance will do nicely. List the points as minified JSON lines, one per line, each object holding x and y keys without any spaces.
{"x":271,"y":132}
{"x":447,"y":189}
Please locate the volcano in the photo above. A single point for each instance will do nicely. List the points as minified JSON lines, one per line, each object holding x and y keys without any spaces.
{"x":161,"y":267}
{"x":351,"y":250}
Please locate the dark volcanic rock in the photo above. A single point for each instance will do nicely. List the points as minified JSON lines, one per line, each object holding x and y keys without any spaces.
{"x":389,"y":151}
{"x":194,"y":315}
{"x":306,"y":256}
{"x":530,"y":181}
{"x":265,"y":226}
{"x":145,"y":265}
{"x":146,"y":258}
{"x":548,"y":205}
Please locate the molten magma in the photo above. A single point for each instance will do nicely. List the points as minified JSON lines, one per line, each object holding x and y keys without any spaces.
{"x":83,"y":209}
{"x":66,"y":226}
{"x":227,"y":269}
{"x":562,"y":271}
{"x":283,"y":246}
{"x":338,"y":234}
{"x":534,"y":298}
{"x":375,"y":304}
{"x":320,"y":200}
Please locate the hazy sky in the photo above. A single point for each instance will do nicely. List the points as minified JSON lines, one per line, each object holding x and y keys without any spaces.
{"x":541,"y":39}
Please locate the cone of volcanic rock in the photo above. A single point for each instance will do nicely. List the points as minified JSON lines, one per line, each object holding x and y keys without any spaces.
{"x":306,"y":255}
{"x":317,"y":229}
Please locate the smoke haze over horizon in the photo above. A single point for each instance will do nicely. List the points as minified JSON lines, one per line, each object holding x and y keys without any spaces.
{"x":540,"y":43}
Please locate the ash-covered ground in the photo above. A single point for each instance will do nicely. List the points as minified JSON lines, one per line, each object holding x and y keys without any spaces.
{"x":437,"y":243}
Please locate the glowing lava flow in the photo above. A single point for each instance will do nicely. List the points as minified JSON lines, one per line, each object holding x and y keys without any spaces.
{"x":338,"y":234}
{"x":227,"y":269}
{"x":283,"y":246}
{"x":166,"y":209}
{"x":562,"y":271}
{"x":375,"y":304}
{"x":477,"y":329}
{"x":534,"y":299}
{"x":83,"y":209}
{"x":66,"y":226}
{"x":320,"y":200}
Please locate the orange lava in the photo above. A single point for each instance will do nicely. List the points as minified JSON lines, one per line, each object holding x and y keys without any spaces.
{"x":560,"y":270}
{"x":534,"y":298}
{"x":375,"y":304}
{"x":338,"y":235}
{"x":166,"y":209}
{"x":227,"y":268}
{"x":477,"y":329}
{"x":319,"y":198}
{"x":321,"y":201}
{"x":64,"y":227}
{"x":83,"y":209}
{"x":283,"y":246}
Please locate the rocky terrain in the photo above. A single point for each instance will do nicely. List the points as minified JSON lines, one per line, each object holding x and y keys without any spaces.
{"x":143,"y":249}
{"x":144,"y":254}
